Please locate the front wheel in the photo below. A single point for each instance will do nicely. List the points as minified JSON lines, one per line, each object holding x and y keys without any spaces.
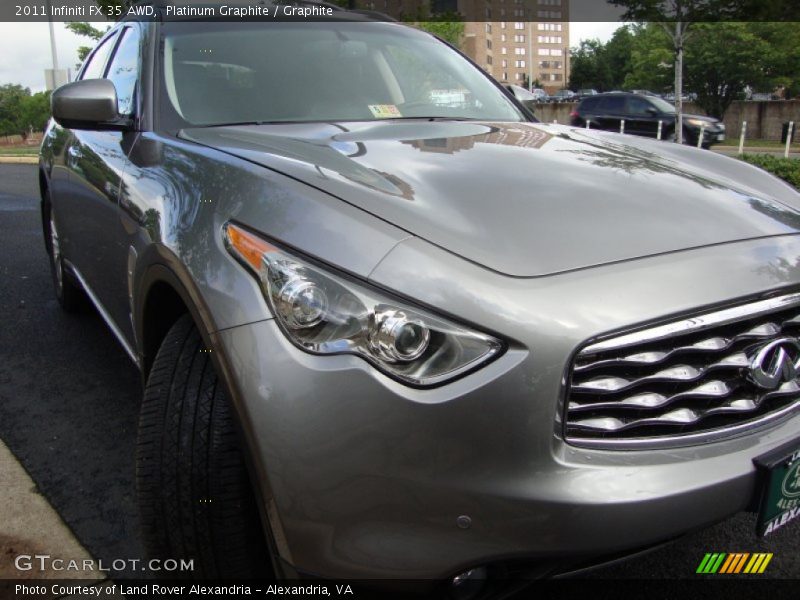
{"x":195,"y":496}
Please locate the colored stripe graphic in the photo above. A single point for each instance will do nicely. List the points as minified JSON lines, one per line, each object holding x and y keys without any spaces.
{"x":758,"y":563}
{"x":711,"y":563}
{"x":734,"y":563}
{"x":703,"y":564}
{"x":741,"y":562}
{"x":731,"y":560}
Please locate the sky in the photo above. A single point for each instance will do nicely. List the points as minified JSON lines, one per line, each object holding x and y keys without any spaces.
{"x":25,"y":52}
{"x":25,"y":49}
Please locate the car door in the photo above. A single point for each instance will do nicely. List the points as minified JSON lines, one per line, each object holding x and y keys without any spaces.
{"x":587,"y":111}
{"x":610,"y":112}
{"x":96,"y":161}
{"x":67,"y":197}
{"x":641,"y":117}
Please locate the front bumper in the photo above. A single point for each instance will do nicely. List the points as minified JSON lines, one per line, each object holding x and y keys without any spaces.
{"x":367,"y":478}
{"x":711,"y":135}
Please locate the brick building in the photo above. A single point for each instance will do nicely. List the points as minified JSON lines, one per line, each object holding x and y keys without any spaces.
{"x":524,"y":38}
{"x":517,"y":38}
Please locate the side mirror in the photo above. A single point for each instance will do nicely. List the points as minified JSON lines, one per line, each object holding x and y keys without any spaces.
{"x":87,"y":104}
{"x":652,"y":111}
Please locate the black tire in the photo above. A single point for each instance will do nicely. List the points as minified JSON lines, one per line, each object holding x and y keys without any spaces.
{"x":69,"y":293}
{"x":195,"y":497}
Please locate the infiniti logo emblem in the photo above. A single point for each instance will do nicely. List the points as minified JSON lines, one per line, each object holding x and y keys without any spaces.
{"x":776,"y":363}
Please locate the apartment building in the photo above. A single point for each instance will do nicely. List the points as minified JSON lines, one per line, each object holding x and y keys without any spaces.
{"x":515,"y":41}
{"x":521,"y":39}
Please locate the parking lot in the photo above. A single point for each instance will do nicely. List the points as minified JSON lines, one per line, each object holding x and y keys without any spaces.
{"x":69,"y":401}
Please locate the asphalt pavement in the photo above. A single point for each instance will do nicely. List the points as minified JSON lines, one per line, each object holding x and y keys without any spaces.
{"x":69,"y":394}
{"x":69,"y":399}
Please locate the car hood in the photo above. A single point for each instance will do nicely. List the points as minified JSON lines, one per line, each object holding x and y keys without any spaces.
{"x":524,"y":199}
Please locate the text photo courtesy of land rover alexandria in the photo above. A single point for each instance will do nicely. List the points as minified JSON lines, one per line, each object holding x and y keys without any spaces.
{"x":393,"y":327}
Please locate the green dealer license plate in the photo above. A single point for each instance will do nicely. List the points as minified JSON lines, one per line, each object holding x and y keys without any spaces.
{"x":780,"y":483}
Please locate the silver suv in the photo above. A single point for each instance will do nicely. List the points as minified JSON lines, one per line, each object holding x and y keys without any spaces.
{"x":392,"y":327}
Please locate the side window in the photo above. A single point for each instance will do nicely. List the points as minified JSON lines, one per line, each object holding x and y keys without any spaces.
{"x":589,"y":104}
{"x":614,"y":105}
{"x":124,"y":70}
{"x":638,"y":106}
{"x":96,"y":66}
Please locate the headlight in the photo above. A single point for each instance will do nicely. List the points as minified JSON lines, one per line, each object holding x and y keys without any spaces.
{"x":325,"y":313}
{"x":698,"y":123}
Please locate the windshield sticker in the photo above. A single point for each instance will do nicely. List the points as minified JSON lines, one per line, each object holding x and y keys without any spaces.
{"x":450,"y":98}
{"x":384,"y":111}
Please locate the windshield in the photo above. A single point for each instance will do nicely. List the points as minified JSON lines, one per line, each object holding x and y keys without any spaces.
{"x":662,"y":105}
{"x":220,"y":73}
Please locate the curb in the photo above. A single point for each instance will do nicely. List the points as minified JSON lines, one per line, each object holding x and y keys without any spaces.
{"x":19,"y":160}
{"x":735,"y":149}
{"x":31,"y":526}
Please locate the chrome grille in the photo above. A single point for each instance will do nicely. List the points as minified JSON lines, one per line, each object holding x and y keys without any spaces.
{"x":683,"y":380}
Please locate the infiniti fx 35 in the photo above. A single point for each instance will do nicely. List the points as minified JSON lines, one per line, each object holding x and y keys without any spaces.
{"x":390,"y":326}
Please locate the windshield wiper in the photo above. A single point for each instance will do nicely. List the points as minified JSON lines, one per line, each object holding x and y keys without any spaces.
{"x":237,"y":124}
{"x":430,"y":119}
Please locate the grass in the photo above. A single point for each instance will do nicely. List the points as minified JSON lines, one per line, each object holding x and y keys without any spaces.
{"x":19,"y":150}
{"x":787,"y":169}
{"x":734,"y":141}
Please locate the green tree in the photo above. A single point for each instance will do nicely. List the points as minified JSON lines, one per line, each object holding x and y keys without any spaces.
{"x":447,"y":26}
{"x":588,"y":66}
{"x":782,"y":63}
{"x":675,"y":16}
{"x":21,"y":112}
{"x":602,"y":66}
{"x":617,"y":56}
{"x":12,"y":100}
{"x":650,"y":65}
{"x":722,"y":59}
{"x":35,"y":112}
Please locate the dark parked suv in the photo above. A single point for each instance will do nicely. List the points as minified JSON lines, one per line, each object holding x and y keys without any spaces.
{"x":642,"y":114}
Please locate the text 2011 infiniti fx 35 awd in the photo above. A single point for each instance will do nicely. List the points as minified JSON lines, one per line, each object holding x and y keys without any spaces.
{"x":384,"y":313}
